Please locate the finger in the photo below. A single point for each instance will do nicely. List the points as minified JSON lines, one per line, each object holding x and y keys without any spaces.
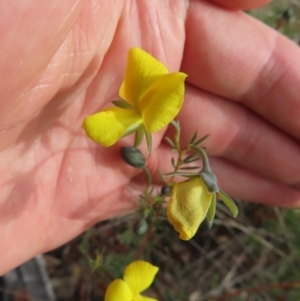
{"x":240,"y":136}
{"x":232,"y":55}
{"x":243,"y":184}
{"x":241,"y":5}
{"x":236,"y":181}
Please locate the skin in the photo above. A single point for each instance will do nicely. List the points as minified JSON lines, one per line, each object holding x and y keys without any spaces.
{"x":63,"y":60}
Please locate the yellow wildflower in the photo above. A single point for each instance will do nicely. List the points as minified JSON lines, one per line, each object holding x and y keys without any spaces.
{"x":188,"y":206}
{"x":152,"y":97}
{"x":138,"y":276}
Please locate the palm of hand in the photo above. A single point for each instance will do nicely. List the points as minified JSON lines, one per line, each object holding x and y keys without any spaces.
{"x":55,"y":181}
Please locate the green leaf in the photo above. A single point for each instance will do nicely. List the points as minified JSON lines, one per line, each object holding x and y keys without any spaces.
{"x":194,"y":138}
{"x":122,"y":104}
{"x":175,"y":124}
{"x":190,"y":158}
{"x":189,"y":167}
{"x":182,"y":174}
{"x":201,"y":140}
{"x":212,"y":210}
{"x":139,"y":135}
{"x":170,"y":142}
{"x":177,"y":134}
{"x":173,"y":162}
{"x":162,"y":176}
{"x":229,"y":203}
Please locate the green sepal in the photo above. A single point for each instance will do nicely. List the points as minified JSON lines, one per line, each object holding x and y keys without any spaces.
{"x":229,"y":203}
{"x":212,"y":210}
{"x":210,"y":181}
{"x":149,"y":142}
{"x":131,"y":130}
{"x":139,"y":135}
{"x":122,"y":104}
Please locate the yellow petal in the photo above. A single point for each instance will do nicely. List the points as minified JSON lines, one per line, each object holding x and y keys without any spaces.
{"x":188,"y":206}
{"x":162,"y":101}
{"x":139,"y":275}
{"x":118,"y":290}
{"x":109,"y":125}
{"x":141,"y":71}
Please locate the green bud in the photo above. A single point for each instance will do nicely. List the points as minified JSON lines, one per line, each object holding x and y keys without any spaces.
{"x":132,"y":157}
{"x":166,"y":190}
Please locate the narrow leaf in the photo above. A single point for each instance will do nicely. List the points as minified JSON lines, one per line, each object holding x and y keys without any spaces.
{"x":189,"y":157}
{"x":212,"y":210}
{"x":189,"y":167}
{"x":182,"y":174}
{"x":122,"y":104}
{"x":201,"y":140}
{"x":173,"y":162}
{"x":177,"y":134}
{"x":194,"y":138}
{"x":192,"y":160}
{"x":170,"y":142}
{"x":229,"y":203}
{"x":175,"y":124}
{"x":162,"y":176}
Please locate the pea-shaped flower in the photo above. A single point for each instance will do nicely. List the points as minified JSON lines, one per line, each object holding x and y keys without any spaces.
{"x":152,"y":97}
{"x":188,"y":206}
{"x":138,"y":276}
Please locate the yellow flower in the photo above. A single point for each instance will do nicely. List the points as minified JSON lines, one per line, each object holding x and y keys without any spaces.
{"x":188,"y":206}
{"x":138,"y":276}
{"x":152,"y":98}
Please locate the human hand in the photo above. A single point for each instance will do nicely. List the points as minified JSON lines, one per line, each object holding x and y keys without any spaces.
{"x":62,"y":61}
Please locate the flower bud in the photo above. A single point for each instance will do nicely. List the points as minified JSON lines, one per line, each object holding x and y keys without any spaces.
{"x":166,"y":190}
{"x":132,"y":157}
